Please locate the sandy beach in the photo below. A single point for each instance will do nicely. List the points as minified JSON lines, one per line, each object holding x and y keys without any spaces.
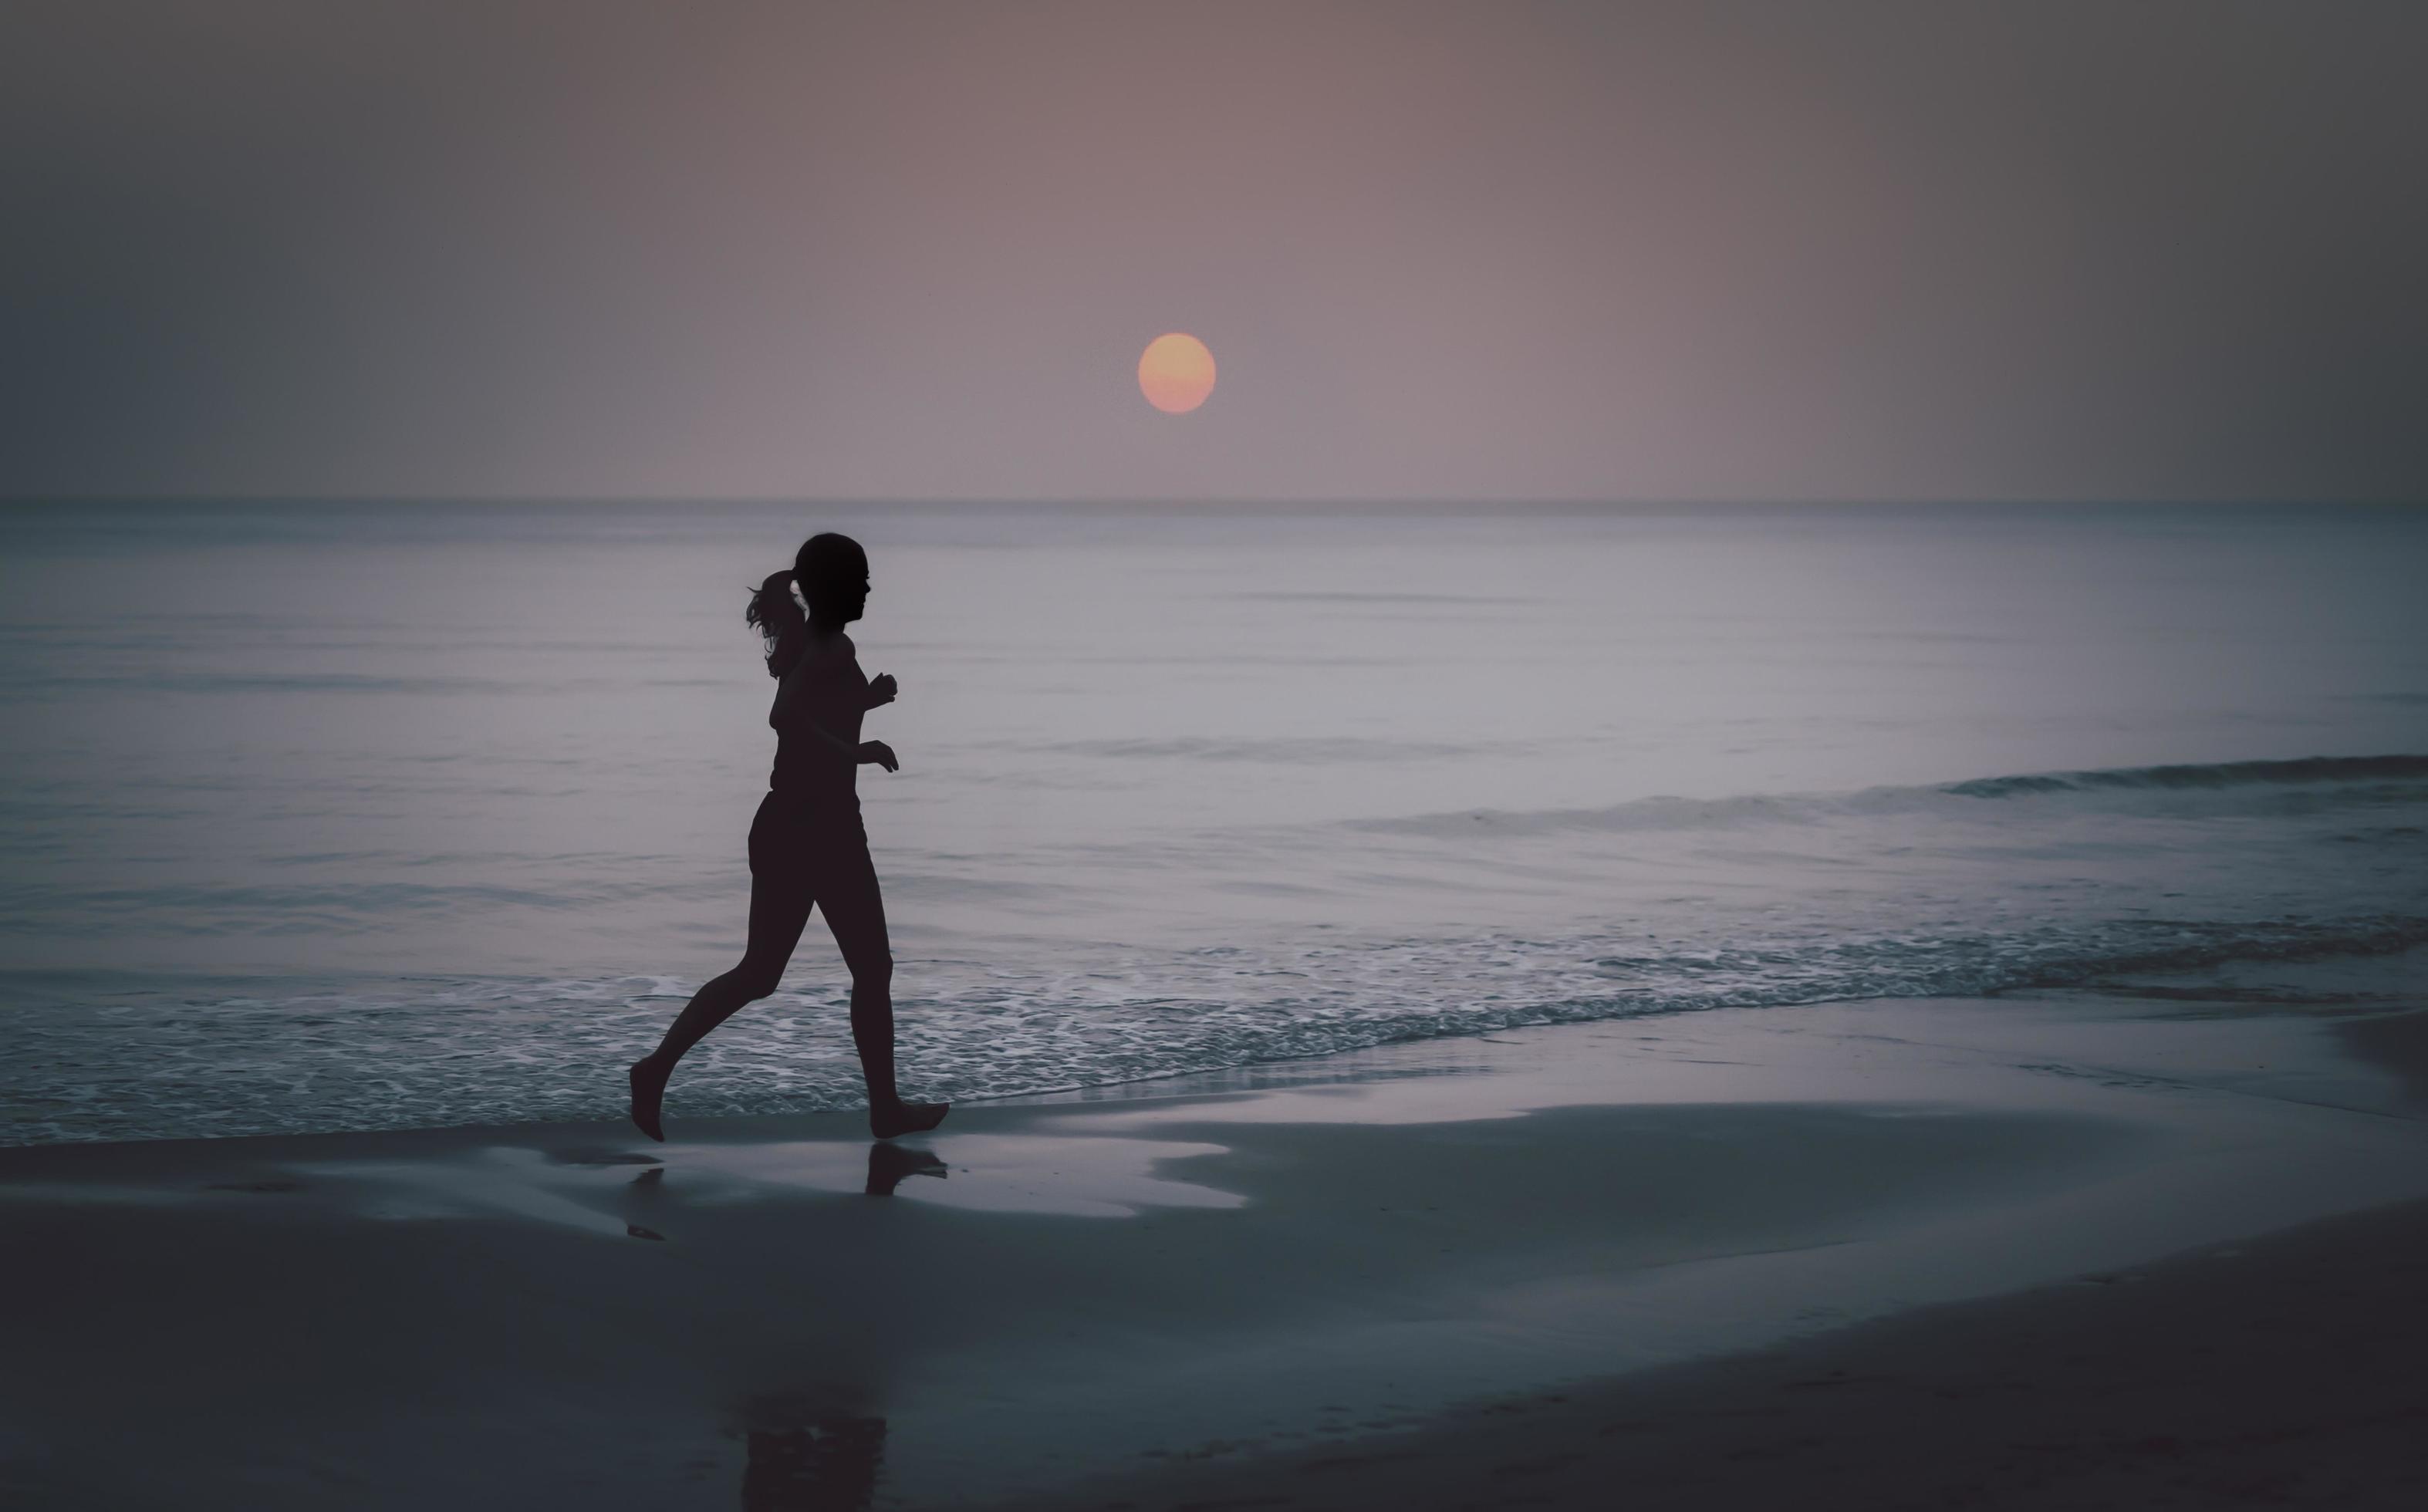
{"x":1709,"y":1256}
{"x":2282,"y":1370}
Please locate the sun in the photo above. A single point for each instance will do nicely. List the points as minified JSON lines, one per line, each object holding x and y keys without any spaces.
{"x":1175,"y":373}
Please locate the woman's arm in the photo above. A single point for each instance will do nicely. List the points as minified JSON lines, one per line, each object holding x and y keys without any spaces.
{"x":791,"y":695}
{"x":829,"y":738}
{"x":788,"y":712}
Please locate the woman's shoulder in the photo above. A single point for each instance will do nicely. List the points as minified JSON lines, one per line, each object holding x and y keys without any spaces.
{"x":828,"y":650}
{"x":841,"y":654}
{"x":823,"y":660}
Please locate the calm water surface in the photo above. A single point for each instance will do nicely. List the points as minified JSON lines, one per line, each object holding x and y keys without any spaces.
{"x":373,"y":815}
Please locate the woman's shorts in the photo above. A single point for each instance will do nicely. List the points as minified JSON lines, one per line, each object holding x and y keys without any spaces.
{"x":792,"y":838}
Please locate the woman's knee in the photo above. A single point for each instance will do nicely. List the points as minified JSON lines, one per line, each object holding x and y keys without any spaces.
{"x":874,"y":968}
{"x":756,"y":979}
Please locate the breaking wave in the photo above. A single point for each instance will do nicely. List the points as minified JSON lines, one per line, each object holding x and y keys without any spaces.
{"x":438,"y":1053}
{"x":1951,"y":799}
{"x":2214,"y":774}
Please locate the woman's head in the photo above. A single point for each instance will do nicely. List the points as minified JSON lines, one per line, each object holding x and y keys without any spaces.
{"x":832,"y":572}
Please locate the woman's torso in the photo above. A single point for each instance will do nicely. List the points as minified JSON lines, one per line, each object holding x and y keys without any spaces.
{"x":825,"y":688}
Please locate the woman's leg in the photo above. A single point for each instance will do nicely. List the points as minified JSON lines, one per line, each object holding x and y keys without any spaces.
{"x":855,"y":910}
{"x":779,"y":909}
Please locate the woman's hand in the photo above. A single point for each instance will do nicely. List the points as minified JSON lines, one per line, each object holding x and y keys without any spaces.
{"x":882,"y":689}
{"x":880,"y":752}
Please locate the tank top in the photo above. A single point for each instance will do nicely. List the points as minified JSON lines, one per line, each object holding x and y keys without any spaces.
{"x":830,"y":691}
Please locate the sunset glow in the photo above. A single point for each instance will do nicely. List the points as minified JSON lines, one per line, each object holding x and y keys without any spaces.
{"x":1175,"y":373}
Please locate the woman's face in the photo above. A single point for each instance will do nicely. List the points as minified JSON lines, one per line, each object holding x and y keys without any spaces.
{"x":850,"y":599}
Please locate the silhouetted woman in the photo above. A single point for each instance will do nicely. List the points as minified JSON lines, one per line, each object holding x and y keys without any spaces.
{"x":807,"y":846}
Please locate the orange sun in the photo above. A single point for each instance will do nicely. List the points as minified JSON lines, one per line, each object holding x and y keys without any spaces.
{"x":1176,"y":373}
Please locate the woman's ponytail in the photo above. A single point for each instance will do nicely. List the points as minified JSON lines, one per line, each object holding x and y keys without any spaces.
{"x":777,"y":615}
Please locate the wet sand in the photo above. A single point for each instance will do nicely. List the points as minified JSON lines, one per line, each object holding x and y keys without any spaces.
{"x":1729,"y":1256}
{"x":2283,"y":1370}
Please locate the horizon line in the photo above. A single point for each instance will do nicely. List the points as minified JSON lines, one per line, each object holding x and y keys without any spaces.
{"x":11,"y":500}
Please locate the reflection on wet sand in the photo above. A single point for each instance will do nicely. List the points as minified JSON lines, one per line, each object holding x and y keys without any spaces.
{"x":889,"y":1163}
{"x":822,"y":1462}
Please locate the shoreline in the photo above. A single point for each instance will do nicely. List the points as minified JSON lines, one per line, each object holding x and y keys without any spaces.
{"x":1169,"y":1285}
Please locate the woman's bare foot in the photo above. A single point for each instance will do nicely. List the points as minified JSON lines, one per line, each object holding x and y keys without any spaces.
{"x":897,"y":1117}
{"x":648,"y":1090}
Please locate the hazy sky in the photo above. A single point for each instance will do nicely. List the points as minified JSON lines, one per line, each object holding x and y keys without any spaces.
{"x":1489,"y":250}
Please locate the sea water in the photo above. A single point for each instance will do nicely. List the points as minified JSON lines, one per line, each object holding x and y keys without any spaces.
{"x":354,"y":815}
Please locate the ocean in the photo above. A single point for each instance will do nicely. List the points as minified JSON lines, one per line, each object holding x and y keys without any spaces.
{"x":370,"y":815}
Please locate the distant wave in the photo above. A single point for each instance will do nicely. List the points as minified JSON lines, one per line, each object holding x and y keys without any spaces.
{"x":1306,"y":748}
{"x":2216,"y":774}
{"x":1664,"y":812}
